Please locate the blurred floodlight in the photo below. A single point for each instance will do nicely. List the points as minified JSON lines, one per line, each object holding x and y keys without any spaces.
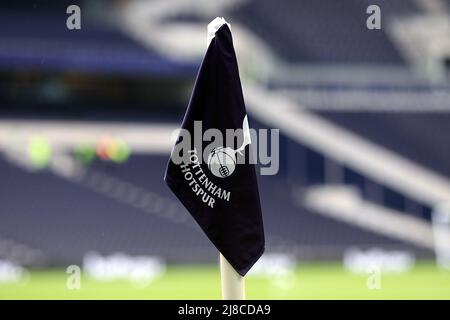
{"x":139,"y":270}
{"x":84,"y":153}
{"x":359,"y":261}
{"x":39,"y":151}
{"x":272,"y":264}
{"x":112,"y":149}
{"x":11,"y":272}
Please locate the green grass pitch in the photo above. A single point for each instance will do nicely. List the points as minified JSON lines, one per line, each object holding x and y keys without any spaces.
{"x":312,"y":281}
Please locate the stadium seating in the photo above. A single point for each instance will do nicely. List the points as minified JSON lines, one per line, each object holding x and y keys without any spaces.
{"x":104,"y":210}
{"x":294,"y":32}
{"x":64,"y":220}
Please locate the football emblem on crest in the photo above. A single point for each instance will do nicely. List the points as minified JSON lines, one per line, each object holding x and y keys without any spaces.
{"x":222,"y":160}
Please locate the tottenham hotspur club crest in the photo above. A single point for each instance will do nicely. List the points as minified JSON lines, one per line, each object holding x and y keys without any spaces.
{"x":222,"y":160}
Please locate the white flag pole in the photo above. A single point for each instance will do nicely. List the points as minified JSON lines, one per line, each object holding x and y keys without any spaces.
{"x":233,"y":284}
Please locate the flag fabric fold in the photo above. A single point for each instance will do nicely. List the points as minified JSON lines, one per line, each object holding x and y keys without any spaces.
{"x":220,"y":193}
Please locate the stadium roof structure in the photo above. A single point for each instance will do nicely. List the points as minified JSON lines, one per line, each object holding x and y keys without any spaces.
{"x":40,"y":40}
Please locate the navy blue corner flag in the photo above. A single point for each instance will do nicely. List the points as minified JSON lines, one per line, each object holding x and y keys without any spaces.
{"x":221,"y":193}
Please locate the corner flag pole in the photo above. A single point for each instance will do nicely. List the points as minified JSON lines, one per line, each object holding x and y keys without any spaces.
{"x":233,"y":284}
{"x":217,"y":101}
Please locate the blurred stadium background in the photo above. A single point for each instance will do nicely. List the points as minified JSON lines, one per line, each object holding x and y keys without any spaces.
{"x":364,"y":117}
